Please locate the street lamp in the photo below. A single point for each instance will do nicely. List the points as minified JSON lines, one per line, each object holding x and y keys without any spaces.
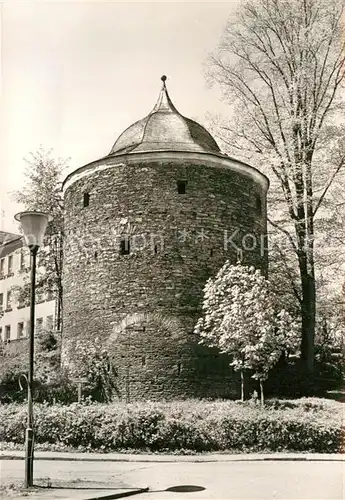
{"x":34,"y":225}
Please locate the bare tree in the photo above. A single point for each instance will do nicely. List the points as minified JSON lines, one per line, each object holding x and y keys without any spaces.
{"x":281,"y":66}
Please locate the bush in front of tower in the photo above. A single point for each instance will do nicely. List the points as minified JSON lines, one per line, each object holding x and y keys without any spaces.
{"x":243,"y":318}
{"x":308,"y":424}
{"x":88,"y":361}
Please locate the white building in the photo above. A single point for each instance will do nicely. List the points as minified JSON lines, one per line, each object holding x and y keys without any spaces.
{"x":14,"y":317}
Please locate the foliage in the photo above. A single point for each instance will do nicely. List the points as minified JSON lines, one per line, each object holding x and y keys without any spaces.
{"x":50,"y":382}
{"x":330,"y":353}
{"x":14,"y":362}
{"x":280,"y":65}
{"x":89,"y":359}
{"x":283,"y":276}
{"x":241,"y":318}
{"x":312,"y":425}
{"x":42,"y":191}
{"x":54,"y":380}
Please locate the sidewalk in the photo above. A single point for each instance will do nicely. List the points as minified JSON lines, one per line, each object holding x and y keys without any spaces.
{"x":90,"y":476}
{"x":206,"y":457}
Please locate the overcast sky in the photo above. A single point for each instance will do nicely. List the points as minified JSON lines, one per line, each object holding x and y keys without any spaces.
{"x":74,"y":75}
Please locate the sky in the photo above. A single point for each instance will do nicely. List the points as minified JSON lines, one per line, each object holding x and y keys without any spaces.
{"x":74,"y":75}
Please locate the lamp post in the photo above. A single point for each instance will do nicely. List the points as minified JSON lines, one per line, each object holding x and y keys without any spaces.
{"x":34,"y":225}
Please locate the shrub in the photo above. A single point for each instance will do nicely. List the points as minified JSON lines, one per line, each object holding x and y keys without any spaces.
{"x":50,"y":382}
{"x":309,"y":424}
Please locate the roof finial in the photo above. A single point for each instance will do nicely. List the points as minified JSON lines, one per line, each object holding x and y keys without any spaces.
{"x":164,"y":103}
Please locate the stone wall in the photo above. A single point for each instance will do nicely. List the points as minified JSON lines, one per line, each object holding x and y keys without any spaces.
{"x":145,"y":304}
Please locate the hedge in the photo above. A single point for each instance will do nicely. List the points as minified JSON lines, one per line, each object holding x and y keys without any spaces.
{"x":305,"y":425}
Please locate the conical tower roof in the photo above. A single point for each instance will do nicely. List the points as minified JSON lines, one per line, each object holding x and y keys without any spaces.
{"x":164,"y":129}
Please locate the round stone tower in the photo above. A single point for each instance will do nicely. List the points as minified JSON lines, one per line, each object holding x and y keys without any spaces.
{"x":145,"y":227}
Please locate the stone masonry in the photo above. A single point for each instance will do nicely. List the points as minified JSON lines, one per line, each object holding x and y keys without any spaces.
{"x":143,"y":233}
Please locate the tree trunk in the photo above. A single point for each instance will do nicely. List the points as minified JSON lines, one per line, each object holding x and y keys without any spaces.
{"x":308,"y":325}
{"x":308,"y":314}
{"x":262,"y":392}
{"x":242,"y":386}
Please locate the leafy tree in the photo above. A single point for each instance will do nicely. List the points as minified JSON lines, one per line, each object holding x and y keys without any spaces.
{"x":42,"y":191}
{"x":281,"y":68}
{"x":242,"y":318}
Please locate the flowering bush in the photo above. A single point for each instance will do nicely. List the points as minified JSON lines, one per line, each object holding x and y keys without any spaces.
{"x":312,"y":425}
{"x":241,"y":318}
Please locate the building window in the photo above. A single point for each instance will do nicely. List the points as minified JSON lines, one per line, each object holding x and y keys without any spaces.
{"x":86,"y":200}
{"x":7,"y":332}
{"x":125,"y":246}
{"x":39,"y":324}
{"x":179,"y":368}
{"x":2,"y":267}
{"x":10,"y":264}
{"x":143,"y":360}
{"x":1,"y":333}
{"x":9,"y":300}
{"x":181,"y":187}
{"x":49,"y":323}
{"x":258,"y":203}
{"x":1,"y":301}
{"x":20,"y":330}
{"x":22,"y":260}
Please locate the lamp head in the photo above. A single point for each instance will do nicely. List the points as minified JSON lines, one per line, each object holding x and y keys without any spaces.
{"x":34,"y":225}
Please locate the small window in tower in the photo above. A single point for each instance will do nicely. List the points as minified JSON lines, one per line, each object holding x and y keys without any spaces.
{"x":211,"y":252}
{"x":258,"y":203}
{"x":86,"y":199}
{"x":179,"y":367}
{"x":125,"y":246}
{"x":181,"y":187}
{"x":143,"y":360}
{"x":156,"y":248}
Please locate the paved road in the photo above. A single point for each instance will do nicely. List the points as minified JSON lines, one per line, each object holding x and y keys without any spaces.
{"x":222,"y":480}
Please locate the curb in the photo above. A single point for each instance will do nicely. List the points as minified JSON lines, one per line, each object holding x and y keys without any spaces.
{"x":120,"y":495}
{"x":181,"y":458}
